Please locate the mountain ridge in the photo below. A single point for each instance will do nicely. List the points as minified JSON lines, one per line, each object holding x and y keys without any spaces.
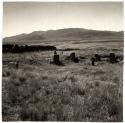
{"x":64,"y":34}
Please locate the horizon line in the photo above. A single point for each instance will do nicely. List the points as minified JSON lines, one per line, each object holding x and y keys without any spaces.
{"x":61,"y":29}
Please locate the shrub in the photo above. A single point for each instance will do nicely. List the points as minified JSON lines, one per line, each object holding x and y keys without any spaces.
{"x":97,"y":84}
{"x":22,"y":79}
{"x":8,"y":73}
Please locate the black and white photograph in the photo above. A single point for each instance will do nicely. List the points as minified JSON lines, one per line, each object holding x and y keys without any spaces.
{"x":62,"y":61}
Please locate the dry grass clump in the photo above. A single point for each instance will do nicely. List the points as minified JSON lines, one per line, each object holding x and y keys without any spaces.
{"x":6,"y":73}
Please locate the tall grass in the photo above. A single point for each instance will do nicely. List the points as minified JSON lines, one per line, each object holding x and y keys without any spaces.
{"x":76,"y":92}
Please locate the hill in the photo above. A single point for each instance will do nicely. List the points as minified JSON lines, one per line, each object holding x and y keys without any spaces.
{"x":64,"y":34}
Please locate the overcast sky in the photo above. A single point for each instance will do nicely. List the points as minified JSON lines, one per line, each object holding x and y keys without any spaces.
{"x":25,"y":17}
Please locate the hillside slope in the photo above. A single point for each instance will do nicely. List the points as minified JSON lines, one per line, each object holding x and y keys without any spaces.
{"x":65,"y":34}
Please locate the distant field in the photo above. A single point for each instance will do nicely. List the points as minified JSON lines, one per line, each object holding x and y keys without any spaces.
{"x":80,"y":44}
{"x":40,"y":91}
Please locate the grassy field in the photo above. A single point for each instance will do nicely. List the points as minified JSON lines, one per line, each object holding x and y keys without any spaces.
{"x":39,"y":91}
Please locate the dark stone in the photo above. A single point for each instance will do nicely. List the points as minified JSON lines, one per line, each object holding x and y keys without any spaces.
{"x":93,"y":61}
{"x":56,"y":60}
{"x":76,"y":60}
{"x":97,"y":57}
{"x":72,"y":56}
{"x":112,"y":58}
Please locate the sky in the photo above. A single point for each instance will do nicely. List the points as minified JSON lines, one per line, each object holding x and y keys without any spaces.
{"x":26,"y":17}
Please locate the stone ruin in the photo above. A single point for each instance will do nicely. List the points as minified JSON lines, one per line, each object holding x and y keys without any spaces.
{"x":97,"y":57}
{"x":112,"y":57}
{"x":93,"y":61}
{"x":56,"y":59}
{"x":74,"y":58}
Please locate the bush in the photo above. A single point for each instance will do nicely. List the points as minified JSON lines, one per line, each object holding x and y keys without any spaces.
{"x":97,"y":84}
{"x":22,"y":79}
{"x":8,"y":73}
